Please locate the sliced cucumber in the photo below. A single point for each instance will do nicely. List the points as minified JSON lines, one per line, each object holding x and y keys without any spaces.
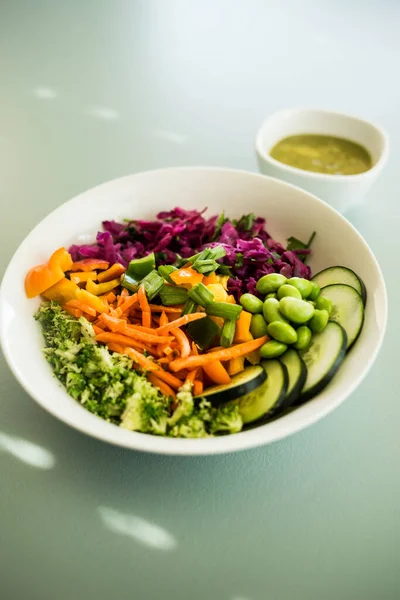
{"x":323,"y":358}
{"x":244,"y":382}
{"x":343,"y":275}
{"x":347,"y":309}
{"x":297,"y":373}
{"x":267,"y":399}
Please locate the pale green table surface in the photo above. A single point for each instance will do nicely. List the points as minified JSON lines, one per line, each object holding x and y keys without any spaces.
{"x":94,"y":90}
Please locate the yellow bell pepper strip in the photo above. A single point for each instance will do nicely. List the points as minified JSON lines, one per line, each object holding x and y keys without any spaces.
{"x":40,"y":278}
{"x":217,"y":290}
{"x":63,"y":291}
{"x":223,"y":280}
{"x":90,"y":264}
{"x":187,"y":277}
{"x":98,"y":304}
{"x":98,"y":289}
{"x":82,"y":276}
{"x":242,"y":333}
{"x":236,"y":365}
{"x":115,"y":271}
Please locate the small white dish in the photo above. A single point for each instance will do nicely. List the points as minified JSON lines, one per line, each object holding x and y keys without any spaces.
{"x":288,"y":210}
{"x":340,"y":191}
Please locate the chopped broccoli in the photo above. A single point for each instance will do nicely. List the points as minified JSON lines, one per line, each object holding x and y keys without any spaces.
{"x":185,"y":404}
{"x":226,"y":419}
{"x":106,"y":384}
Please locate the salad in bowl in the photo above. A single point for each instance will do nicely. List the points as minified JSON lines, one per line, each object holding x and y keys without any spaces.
{"x":195,"y":324}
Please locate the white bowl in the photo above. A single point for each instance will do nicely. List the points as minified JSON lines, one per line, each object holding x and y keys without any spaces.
{"x":340,"y":191}
{"x":288,"y":210}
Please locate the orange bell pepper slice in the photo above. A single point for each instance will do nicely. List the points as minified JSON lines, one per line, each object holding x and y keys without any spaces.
{"x":217,"y":372}
{"x":40,"y":278}
{"x":60,"y":259}
{"x":89,"y":264}
{"x":242,"y":332}
{"x":187,"y":277}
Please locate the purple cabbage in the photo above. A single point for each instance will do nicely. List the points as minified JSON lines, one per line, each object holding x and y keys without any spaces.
{"x":250,"y":250}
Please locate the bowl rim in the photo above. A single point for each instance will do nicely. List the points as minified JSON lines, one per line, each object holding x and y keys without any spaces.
{"x":266,"y":157}
{"x":95,"y":427}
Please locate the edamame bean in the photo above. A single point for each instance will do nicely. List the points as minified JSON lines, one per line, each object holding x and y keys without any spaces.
{"x":251,"y":303}
{"x":297,"y":311}
{"x":312,"y":303}
{"x":319,"y":320}
{"x":282,"y":332}
{"x":272,"y":349}
{"x":324,"y":303}
{"x":304,"y":286}
{"x":270,"y":283}
{"x":270,"y":295}
{"x":315,"y":291}
{"x":271,"y":311}
{"x":288,"y":290}
{"x":258,"y":326}
{"x":304,"y":334}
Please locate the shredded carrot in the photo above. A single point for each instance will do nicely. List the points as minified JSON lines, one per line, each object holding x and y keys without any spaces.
{"x":183,"y":342}
{"x":128,"y":303}
{"x":82,"y":306}
{"x":161,"y":385}
{"x":145,"y":307}
{"x":173,"y":381}
{"x":180,"y":322}
{"x":118,"y":338}
{"x":74,"y":312}
{"x":195,"y":351}
{"x":111,"y":297}
{"x":165,"y":360}
{"x":226,"y":354}
{"x":97,"y":329}
{"x":122,"y":296}
{"x":191,"y":376}
{"x":115,"y":347}
{"x":163,"y":319}
{"x":140,"y":359}
{"x":197,"y":387}
{"x":149,"y":365}
{"x":115,"y":271}
{"x":148,"y":338}
{"x":143,"y":302}
{"x":167,"y":309}
{"x":217,"y":372}
{"x":113,"y":323}
{"x":139,"y":327}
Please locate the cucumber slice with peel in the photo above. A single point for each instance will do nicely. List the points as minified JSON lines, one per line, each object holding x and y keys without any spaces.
{"x":251,"y":378}
{"x":297,"y":373}
{"x":323,"y":358}
{"x":347,"y":309}
{"x":344,"y":275}
{"x":266,"y":400}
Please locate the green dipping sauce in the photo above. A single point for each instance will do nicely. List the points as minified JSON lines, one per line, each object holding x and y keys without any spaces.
{"x":322,"y":154}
